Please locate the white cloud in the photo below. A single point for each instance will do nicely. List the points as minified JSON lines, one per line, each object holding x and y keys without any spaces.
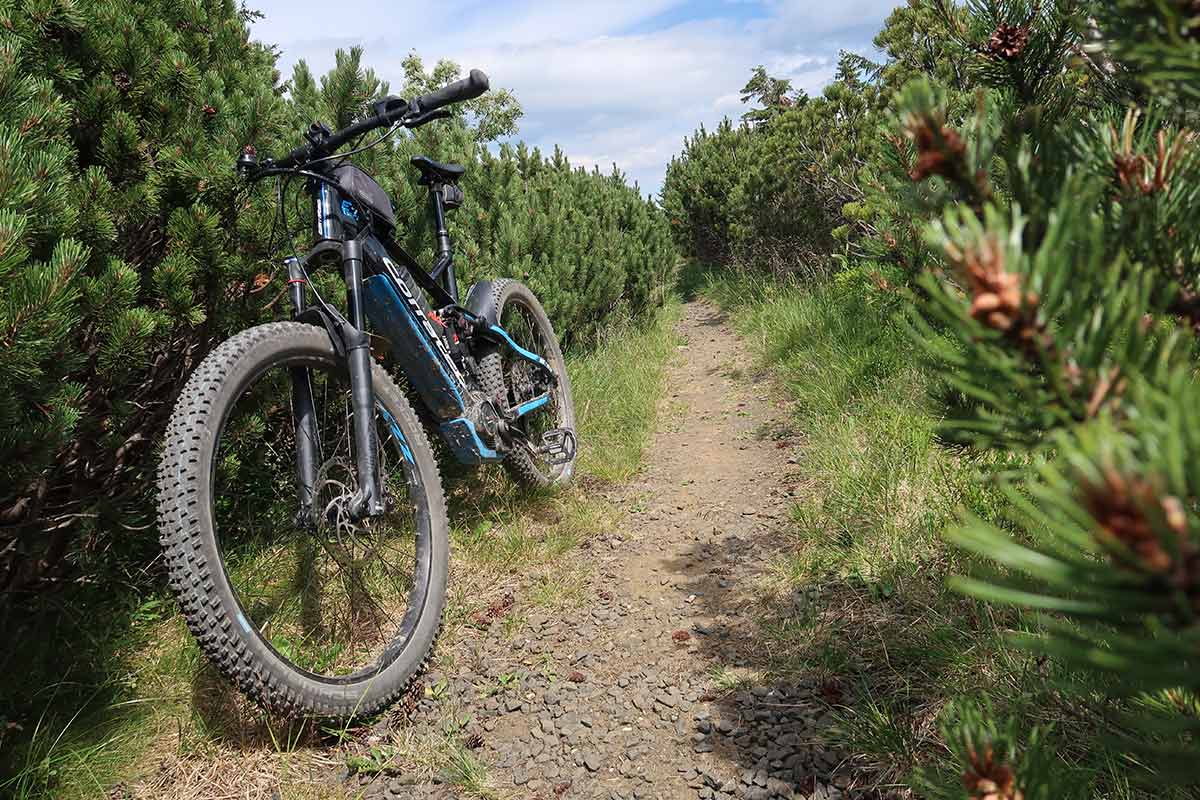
{"x":585,"y":81}
{"x":626,"y":75}
{"x":533,"y":22}
{"x":805,"y":18}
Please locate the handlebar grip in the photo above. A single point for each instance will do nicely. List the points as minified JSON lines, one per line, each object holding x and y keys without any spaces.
{"x":467,"y":89}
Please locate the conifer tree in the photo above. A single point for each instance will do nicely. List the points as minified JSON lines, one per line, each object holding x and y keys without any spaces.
{"x":1066,"y":237}
{"x":773,"y":94}
{"x":698,"y":190}
{"x":119,"y":251}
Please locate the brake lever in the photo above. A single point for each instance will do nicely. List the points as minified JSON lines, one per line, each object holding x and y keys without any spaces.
{"x":417,"y":120}
{"x":390,"y":105}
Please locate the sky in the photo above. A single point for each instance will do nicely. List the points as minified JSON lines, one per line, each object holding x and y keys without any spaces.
{"x":619,"y":81}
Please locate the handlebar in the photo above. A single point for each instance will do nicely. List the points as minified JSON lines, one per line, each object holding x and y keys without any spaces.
{"x":329,"y":144}
{"x":411,"y":114}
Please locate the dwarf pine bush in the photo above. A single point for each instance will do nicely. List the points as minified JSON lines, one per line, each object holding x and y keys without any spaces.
{"x":129,"y":248}
{"x":1026,"y":175}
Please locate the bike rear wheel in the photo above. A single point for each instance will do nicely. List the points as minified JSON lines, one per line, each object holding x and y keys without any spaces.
{"x":507,"y":377}
{"x":310,"y":614}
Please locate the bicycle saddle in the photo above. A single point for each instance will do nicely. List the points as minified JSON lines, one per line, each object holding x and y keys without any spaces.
{"x":437,"y":172}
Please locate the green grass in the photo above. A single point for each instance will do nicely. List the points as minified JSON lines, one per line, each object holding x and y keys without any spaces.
{"x":861,"y":598}
{"x":466,"y":772}
{"x":616,"y":389}
{"x":106,"y":687}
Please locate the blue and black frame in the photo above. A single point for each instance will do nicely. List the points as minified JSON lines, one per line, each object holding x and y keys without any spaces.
{"x":386,"y":288}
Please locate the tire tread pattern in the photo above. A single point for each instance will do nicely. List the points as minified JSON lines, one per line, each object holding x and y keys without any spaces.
{"x":182,"y":530}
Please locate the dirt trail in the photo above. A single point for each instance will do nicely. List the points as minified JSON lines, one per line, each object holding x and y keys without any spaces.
{"x":632,"y":695}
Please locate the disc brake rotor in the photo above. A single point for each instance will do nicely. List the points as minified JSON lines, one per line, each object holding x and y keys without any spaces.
{"x":333,"y":492}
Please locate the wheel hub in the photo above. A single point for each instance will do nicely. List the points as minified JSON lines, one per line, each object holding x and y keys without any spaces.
{"x":523,"y":381}
{"x":333,"y":495}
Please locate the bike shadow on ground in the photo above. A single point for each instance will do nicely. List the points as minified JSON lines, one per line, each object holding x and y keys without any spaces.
{"x":785,"y":683}
{"x":222,"y":713}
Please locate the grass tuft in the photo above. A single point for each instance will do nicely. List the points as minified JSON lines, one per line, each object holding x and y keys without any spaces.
{"x":616,"y":389}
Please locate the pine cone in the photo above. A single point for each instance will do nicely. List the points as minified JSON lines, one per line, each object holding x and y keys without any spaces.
{"x":499,"y":608}
{"x":936,"y":154}
{"x":998,"y":300}
{"x":122,"y":81}
{"x":1008,"y":41}
{"x":1120,"y":508}
{"x":408,"y":701}
{"x":986,"y":779}
{"x":1127,"y":510}
{"x":1149,"y":175}
{"x":1131,"y":172}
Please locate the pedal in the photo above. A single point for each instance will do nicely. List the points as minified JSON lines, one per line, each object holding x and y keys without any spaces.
{"x":558,"y":445}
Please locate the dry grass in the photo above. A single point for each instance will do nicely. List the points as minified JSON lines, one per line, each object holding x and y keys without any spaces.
{"x":226,"y":772}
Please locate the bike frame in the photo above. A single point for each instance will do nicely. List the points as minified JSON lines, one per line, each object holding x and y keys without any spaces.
{"x":383,"y":287}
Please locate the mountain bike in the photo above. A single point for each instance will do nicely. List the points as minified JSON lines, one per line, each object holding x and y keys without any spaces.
{"x":300,"y":506}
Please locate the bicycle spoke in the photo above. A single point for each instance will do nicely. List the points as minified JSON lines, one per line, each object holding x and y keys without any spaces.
{"x":329,"y":600}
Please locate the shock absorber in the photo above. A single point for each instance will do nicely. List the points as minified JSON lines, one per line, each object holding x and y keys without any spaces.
{"x":368,"y":501}
{"x":303,"y":410}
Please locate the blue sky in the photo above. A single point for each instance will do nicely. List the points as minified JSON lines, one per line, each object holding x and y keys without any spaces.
{"x":617,"y":81}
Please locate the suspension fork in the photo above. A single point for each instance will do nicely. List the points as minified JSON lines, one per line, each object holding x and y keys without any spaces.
{"x":368,"y":500}
{"x":308,"y":444}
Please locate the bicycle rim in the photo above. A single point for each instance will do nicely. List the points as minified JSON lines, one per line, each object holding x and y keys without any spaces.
{"x":334,"y":599}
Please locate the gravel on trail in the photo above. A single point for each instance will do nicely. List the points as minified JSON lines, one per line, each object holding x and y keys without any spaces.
{"x":628,"y":697}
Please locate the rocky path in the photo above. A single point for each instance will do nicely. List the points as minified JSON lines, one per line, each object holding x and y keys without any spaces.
{"x":653,"y":687}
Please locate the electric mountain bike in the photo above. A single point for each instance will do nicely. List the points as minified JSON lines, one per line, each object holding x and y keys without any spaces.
{"x":300,"y":507}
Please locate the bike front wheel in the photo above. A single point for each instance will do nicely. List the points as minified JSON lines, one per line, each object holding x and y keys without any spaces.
{"x":308,"y":611}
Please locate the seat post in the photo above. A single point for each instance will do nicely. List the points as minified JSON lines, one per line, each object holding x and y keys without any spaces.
{"x":445,"y":257}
